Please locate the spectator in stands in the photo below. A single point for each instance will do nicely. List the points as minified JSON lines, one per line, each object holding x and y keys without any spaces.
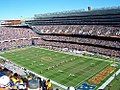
{"x":5,"y":80}
{"x":49,"y":85}
{"x":71,"y":88}
{"x":43,"y":84}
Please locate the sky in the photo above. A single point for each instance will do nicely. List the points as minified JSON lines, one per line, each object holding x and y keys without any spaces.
{"x":25,"y":9}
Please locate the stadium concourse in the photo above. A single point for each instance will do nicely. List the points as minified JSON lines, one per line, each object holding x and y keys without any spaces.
{"x":97,"y":32}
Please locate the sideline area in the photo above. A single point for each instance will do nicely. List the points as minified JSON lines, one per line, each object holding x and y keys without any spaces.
{"x":109,"y":80}
{"x":42,"y":77}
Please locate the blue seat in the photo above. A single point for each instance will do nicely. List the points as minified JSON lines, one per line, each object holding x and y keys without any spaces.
{"x":1,"y":74}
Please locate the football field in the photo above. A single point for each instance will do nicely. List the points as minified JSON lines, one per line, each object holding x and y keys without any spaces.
{"x":115,"y":84}
{"x":66,"y":69}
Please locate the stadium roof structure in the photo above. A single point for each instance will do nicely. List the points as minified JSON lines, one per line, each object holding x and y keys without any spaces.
{"x":82,"y":12}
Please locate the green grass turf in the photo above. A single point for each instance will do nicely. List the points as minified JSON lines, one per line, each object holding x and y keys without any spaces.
{"x":38,"y":60}
{"x":115,"y":84}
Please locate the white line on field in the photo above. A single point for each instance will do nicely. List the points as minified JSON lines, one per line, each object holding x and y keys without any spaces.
{"x":60,"y":85}
{"x":90,"y":76}
{"x":109,"y":80}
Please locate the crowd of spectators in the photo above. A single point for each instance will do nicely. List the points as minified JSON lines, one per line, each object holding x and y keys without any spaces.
{"x":96,"y":30}
{"x":9,"y":80}
{"x":96,"y":41}
{"x":96,"y":50}
{"x":11,"y":37}
{"x":9,"y":44}
{"x":8,"y":33}
{"x":95,"y":45}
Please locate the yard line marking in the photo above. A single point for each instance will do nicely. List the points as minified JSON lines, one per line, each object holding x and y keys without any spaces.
{"x":56,"y":83}
{"x":90,"y":76}
{"x":74,"y":54}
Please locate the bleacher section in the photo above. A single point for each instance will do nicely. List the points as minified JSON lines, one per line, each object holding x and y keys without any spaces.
{"x":100,"y":39}
{"x":92,"y":30}
{"x":106,"y":16}
{"x":96,"y":31}
{"x":16,"y":37}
